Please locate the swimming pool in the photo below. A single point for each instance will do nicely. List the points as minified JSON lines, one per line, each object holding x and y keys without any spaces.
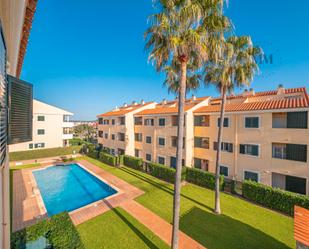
{"x":69,"y":187}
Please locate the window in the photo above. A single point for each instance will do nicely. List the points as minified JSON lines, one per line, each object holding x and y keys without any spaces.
{"x":202,"y":120}
{"x":161,"y":121}
{"x":113,"y":122}
{"x":174,"y":142}
{"x":66,"y":118}
{"x":148,"y":157}
{"x":161,"y":141}
{"x":148,"y":139}
{"x":30,"y":146}
{"x":113,"y":151}
{"x":173,"y":162}
{"x":161,"y":160}
{"x":138,"y":137}
{"x":136,"y":152}
{"x":100,"y":120}
{"x":138,"y":120}
{"x":201,"y":164}
{"x":41,"y":131}
{"x":113,"y":136}
{"x":226,"y":122}
{"x":121,"y":136}
{"x":249,"y":149}
{"x":292,"y":120}
{"x":149,"y":122}
{"x":100,"y":133}
{"x":106,"y":121}
{"x":252,"y":122}
{"x":201,"y":142}
{"x":174,"y":120}
{"x":41,"y":118}
{"x":253,"y":176}
{"x":106,"y":135}
{"x":293,"y":152}
{"x":39,"y":145}
{"x":227,"y":147}
{"x":122,"y":120}
{"x":121,"y":151}
{"x":224,"y":171}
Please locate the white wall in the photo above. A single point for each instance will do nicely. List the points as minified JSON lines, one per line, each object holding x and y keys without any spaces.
{"x":53,"y":126}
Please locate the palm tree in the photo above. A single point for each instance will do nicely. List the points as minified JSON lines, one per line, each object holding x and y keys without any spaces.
{"x":179,"y":35}
{"x":235,"y":68}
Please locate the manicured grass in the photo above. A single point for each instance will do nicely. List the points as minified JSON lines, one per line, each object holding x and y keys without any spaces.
{"x":36,"y":154}
{"x":241,"y":225}
{"x":117,"y":229}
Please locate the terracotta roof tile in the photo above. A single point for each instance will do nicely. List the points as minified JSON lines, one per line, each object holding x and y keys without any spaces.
{"x":123,"y":110}
{"x":301,"y":225}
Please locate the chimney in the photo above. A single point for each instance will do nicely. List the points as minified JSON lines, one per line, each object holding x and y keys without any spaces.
{"x":116,"y":108}
{"x":193,"y":97}
{"x":164,"y":102}
{"x":125,"y":105}
{"x":142,"y":102}
{"x":252,"y":92}
{"x":134,"y":102}
{"x":280,"y":89}
{"x":247,"y":92}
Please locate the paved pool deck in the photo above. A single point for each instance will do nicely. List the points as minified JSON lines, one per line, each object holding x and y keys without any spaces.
{"x":28,"y":206}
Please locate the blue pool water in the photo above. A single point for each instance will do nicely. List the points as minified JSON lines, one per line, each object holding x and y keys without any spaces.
{"x":65,"y":188}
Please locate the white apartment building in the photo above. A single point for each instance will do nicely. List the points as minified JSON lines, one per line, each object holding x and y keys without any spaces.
{"x":51,"y":128}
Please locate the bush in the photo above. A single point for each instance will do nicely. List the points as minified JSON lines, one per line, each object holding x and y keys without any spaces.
{"x":59,"y":230}
{"x":163,"y":172}
{"x":133,"y":162}
{"x":77,"y":141}
{"x":41,"y":153}
{"x":273,"y":198}
{"x":203,"y":178}
{"x":108,"y":159}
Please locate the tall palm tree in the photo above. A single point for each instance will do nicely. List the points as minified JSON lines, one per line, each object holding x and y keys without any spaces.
{"x":179,"y":34}
{"x":235,"y":67}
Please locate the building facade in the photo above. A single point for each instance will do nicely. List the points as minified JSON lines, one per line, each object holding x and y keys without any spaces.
{"x":51,"y":128}
{"x":265,"y":136}
{"x":15,"y":24}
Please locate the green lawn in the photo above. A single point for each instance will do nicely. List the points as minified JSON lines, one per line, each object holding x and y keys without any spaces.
{"x":117,"y":229}
{"x":242,"y":224}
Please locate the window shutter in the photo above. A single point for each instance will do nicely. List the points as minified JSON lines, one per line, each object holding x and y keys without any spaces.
{"x":247,"y":122}
{"x":297,"y":120}
{"x":215,"y":145}
{"x":230,"y":149}
{"x":242,"y":149}
{"x":296,"y":152}
{"x":255,"y":150}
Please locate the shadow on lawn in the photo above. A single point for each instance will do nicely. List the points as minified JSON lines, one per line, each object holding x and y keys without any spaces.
{"x":148,"y":242}
{"x":163,"y":187}
{"x":220,"y":232}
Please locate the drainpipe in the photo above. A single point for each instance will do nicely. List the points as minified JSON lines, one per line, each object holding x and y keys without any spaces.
{"x":236,"y":148}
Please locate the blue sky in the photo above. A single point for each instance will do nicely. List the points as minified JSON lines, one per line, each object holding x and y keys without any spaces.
{"x":88,"y":57}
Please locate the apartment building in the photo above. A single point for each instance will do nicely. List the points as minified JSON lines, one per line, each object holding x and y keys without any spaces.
{"x":155,"y":131}
{"x":265,"y":138}
{"x":51,"y":128}
{"x":15,"y":24}
{"x":116,"y":128}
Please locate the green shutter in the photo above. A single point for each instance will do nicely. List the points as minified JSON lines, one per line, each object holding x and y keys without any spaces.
{"x":296,"y":152}
{"x":297,"y":120}
{"x":255,"y":150}
{"x":242,"y":149}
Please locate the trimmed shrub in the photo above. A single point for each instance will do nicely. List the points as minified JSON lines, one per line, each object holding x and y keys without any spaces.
{"x":59,"y":230}
{"x":273,"y":198}
{"x":91,"y":151}
{"x":42,"y":153}
{"x":108,"y":159}
{"x":203,"y":178}
{"x":163,"y":172}
{"x":133,"y":162}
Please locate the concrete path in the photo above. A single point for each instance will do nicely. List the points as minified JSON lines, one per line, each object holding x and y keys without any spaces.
{"x":157,"y":225}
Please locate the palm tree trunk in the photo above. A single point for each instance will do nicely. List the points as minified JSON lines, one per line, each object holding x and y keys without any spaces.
{"x":180,"y":135}
{"x":218,"y":158}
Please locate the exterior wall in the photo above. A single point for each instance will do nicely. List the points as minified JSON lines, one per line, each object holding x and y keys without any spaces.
{"x":263,"y":136}
{"x":53,"y":126}
{"x":12,"y":14}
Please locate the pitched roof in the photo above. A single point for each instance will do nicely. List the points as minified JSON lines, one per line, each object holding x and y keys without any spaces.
{"x":284,"y":101}
{"x":123,"y":110}
{"x":171,"y":107}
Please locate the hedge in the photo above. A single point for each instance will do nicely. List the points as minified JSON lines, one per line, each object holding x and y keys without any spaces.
{"x":202,"y":178}
{"x":42,"y":153}
{"x":163,"y":172}
{"x":59,"y":230}
{"x":108,"y":159}
{"x":133,"y":162}
{"x":273,"y":198}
